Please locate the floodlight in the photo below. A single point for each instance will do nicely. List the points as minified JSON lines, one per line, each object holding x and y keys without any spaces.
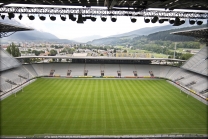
{"x":171,"y":21}
{"x":93,"y":19}
{"x":3,"y":16}
{"x":80,"y":20}
{"x":63,"y":18}
{"x":20,"y":16}
{"x":161,"y":21}
{"x":42,"y":18}
{"x":113,"y":19}
{"x":154,"y":19}
{"x":84,"y":19}
{"x":53,"y":18}
{"x":11,"y":15}
{"x":182,"y":22}
{"x":31,"y":17}
{"x":103,"y":19}
{"x":146,"y":20}
{"x":177,"y":22}
{"x":71,"y":16}
{"x":199,"y":22}
{"x":133,"y":20}
{"x":192,"y":22}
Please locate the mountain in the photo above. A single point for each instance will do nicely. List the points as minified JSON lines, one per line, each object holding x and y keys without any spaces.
{"x":140,"y":32}
{"x":31,"y":36}
{"x":167,"y":36}
{"x":111,"y":40}
{"x":150,"y":30}
{"x":87,"y":38}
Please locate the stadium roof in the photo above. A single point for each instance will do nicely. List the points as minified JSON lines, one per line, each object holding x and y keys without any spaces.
{"x":104,"y":58}
{"x":5,"y":29}
{"x":122,"y":4}
{"x":201,"y":33}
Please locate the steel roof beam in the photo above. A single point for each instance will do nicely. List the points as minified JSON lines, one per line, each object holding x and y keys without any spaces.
{"x":103,"y":12}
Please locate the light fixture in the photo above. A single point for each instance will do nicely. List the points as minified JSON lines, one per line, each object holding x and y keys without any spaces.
{"x":133,"y":20}
{"x":154,"y":19}
{"x":31,"y":17}
{"x":53,"y":18}
{"x":199,"y":22}
{"x":11,"y":15}
{"x":80,"y":20}
{"x":71,"y":16}
{"x":63,"y":18}
{"x":161,"y":21}
{"x":20,"y":16}
{"x":171,"y":21}
{"x":147,"y":20}
{"x":93,"y":19}
{"x":42,"y":18}
{"x":3,"y":16}
{"x":182,"y":22}
{"x":84,"y":19}
{"x":103,"y":19}
{"x":192,"y":22}
{"x":113,"y":19}
{"x":177,"y":22}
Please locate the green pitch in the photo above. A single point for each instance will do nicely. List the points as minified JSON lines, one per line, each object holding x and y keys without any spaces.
{"x":102,"y":107}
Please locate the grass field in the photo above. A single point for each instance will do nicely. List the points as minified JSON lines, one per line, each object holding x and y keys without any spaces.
{"x":101,"y":107}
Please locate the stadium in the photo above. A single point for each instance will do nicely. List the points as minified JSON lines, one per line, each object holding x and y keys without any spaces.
{"x":104,"y":97}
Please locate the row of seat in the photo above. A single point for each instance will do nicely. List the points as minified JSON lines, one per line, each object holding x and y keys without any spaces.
{"x":180,"y":75}
{"x":199,"y":62}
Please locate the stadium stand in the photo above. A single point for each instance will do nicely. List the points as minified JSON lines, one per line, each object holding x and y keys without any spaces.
{"x":93,"y":69}
{"x":6,"y":61}
{"x":15,"y":76}
{"x":77,"y":69}
{"x":198,"y":63}
{"x":38,"y":68}
{"x":29,"y":68}
{"x":143,"y":70}
{"x":127,"y":70}
{"x":111,"y":69}
{"x":60,"y":69}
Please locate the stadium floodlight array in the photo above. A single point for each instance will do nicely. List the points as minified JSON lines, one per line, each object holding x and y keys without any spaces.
{"x":176,"y":21}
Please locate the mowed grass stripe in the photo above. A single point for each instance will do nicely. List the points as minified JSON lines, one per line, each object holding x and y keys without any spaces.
{"x":176,"y":106}
{"x":101,"y":106}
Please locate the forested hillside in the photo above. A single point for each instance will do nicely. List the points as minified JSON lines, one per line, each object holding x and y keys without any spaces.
{"x":167,"y":36}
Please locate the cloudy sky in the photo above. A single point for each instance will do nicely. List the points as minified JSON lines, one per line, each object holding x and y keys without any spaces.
{"x":71,"y":30}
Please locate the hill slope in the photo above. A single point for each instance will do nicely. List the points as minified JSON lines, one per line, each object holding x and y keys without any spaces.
{"x":163,"y":31}
{"x":33,"y":35}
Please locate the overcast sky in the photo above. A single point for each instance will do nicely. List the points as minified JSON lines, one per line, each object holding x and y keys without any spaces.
{"x":71,"y":30}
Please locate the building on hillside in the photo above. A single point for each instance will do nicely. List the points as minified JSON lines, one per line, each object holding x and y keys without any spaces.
{"x":141,"y":55}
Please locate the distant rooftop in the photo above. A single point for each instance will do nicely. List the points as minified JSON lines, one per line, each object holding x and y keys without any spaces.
{"x":79,"y":54}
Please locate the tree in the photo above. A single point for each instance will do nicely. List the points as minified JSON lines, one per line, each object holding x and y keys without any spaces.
{"x":37,"y":53}
{"x":53,"y":52}
{"x":125,"y":51}
{"x":13,"y":50}
{"x":186,"y":56}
